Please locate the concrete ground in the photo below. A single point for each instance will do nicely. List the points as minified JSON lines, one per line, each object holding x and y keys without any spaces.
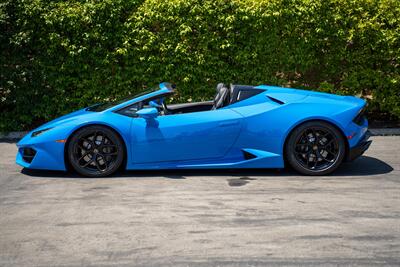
{"x":204,"y":218}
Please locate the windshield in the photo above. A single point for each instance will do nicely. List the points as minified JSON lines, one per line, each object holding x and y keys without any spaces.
{"x":106,"y":105}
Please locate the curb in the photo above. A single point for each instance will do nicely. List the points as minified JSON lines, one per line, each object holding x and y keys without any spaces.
{"x":385,"y":131}
{"x":11,"y":136}
{"x":15,"y":136}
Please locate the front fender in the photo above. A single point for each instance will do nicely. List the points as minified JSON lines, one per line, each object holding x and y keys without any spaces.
{"x":50,"y":145}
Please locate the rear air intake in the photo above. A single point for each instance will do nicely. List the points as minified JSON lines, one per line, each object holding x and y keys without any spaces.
{"x":275,"y":100}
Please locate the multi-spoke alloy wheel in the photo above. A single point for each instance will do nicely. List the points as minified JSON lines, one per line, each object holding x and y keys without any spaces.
{"x":315,"y":148}
{"x":95,"y":151}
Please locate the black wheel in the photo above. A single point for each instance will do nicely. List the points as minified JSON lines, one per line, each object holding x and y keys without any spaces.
{"x":95,"y":151}
{"x":315,"y":148}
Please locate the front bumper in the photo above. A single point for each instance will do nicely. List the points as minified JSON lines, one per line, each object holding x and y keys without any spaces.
{"x":359,"y":148}
{"x":37,"y":153}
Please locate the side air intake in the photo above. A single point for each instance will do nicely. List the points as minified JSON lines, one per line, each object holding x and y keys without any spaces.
{"x":248,"y":155}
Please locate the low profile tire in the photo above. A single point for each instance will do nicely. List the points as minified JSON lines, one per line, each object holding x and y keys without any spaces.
{"x":95,"y":151}
{"x":315,"y":148}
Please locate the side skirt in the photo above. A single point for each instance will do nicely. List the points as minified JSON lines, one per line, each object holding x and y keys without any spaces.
{"x":251,"y":158}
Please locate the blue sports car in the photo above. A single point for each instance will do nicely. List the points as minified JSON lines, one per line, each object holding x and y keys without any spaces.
{"x":243,"y":127}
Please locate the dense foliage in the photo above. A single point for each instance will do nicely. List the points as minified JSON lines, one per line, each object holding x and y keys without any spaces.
{"x":59,"y":55}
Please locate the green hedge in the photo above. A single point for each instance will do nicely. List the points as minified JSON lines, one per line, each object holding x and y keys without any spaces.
{"x":57,"y":56}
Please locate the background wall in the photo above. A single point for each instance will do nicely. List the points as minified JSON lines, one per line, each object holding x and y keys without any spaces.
{"x":57,"y":56}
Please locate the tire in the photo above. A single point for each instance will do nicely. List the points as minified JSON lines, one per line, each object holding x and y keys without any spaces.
{"x":315,"y":148}
{"x":95,"y":151}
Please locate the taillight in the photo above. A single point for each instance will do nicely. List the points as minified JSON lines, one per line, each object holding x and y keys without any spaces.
{"x":360,"y":118}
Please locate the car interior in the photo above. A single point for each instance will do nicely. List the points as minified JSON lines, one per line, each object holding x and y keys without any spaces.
{"x":224,"y":97}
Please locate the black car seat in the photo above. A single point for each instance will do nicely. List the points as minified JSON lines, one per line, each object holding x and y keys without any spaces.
{"x":222,"y":98}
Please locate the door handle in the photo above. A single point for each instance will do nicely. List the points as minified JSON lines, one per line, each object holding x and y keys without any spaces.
{"x":228,"y":123}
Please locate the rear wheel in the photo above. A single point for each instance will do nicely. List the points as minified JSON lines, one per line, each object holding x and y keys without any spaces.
{"x":95,"y":151}
{"x":315,"y":148}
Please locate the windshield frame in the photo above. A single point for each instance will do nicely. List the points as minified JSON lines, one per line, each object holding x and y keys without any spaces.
{"x":163,"y":88}
{"x":99,"y":107}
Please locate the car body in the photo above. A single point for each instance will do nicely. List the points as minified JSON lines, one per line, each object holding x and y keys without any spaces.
{"x":248,"y":130}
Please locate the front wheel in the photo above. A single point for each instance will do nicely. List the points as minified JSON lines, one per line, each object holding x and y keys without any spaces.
{"x":315,"y":148}
{"x":95,"y":151}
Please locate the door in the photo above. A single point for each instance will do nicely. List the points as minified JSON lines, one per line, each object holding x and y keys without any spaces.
{"x":198,"y":135}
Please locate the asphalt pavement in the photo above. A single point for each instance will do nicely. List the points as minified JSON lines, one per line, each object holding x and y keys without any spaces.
{"x":204,"y":218}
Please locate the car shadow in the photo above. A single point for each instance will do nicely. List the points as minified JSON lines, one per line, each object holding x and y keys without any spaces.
{"x":362,"y":166}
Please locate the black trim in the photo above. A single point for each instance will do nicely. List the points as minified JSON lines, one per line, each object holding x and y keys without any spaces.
{"x":190,"y":107}
{"x":360,"y":148}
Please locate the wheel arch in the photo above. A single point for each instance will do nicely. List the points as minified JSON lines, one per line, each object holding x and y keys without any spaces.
{"x":315,"y":120}
{"x":125,"y":148}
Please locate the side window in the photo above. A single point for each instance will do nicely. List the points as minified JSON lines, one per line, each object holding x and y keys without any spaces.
{"x":131,"y":110}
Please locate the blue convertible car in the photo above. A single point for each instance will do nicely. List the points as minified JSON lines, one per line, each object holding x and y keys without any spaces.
{"x":243,"y":127}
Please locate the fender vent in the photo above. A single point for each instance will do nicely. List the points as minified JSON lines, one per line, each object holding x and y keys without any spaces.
{"x":275,"y":100}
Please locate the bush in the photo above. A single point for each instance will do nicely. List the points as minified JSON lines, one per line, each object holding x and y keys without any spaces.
{"x":57,"y":56}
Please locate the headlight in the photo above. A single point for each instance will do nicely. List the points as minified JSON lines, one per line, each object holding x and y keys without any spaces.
{"x":34,"y":134}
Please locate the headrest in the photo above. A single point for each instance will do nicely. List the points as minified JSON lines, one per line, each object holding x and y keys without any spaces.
{"x":220,"y":86}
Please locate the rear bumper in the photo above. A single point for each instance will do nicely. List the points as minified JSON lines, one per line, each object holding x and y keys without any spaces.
{"x":360,"y":148}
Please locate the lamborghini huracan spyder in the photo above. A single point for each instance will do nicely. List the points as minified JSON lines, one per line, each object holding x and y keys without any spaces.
{"x":243,"y":127}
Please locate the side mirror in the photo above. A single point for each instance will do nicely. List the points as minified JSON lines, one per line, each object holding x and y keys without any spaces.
{"x":148,"y":113}
{"x":154,"y":104}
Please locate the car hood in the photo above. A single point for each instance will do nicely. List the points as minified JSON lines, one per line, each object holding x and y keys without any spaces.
{"x":61,"y":126}
{"x":79,"y":114}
